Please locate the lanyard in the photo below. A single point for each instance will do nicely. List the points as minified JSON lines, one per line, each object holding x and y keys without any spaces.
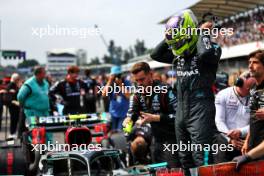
{"x":238,"y":97}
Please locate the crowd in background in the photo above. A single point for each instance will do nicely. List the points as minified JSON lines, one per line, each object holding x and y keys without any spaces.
{"x":247,"y":28}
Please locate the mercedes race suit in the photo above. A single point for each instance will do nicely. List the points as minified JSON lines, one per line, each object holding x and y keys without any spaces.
{"x":195,"y":107}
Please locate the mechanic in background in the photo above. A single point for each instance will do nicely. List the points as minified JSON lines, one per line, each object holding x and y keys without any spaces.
{"x":135,"y":147}
{"x":14,"y":108}
{"x":158,"y":109}
{"x":232,"y":116}
{"x":33,"y":95}
{"x":254,"y":142}
{"x":72,"y":90}
{"x":90,"y":96}
{"x":139,"y":145}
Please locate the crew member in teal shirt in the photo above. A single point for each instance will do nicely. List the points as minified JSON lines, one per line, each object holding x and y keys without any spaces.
{"x":33,"y":95}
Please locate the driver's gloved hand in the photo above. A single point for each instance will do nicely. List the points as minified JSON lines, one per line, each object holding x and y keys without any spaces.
{"x":241,"y":160}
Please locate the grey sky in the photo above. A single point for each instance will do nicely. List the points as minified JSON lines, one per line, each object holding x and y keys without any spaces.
{"x":121,"y":20}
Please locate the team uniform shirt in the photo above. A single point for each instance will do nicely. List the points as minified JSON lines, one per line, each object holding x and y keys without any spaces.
{"x":71,"y":94}
{"x":158,"y":103}
{"x":34,"y":97}
{"x":232,"y":111}
{"x":90,"y":96}
{"x":144,"y":131}
{"x":256,"y":125}
{"x":91,"y":85}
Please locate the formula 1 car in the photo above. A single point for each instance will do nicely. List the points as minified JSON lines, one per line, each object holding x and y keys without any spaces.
{"x":104,"y":162}
{"x":78,"y":129}
{"x":91,"y":163}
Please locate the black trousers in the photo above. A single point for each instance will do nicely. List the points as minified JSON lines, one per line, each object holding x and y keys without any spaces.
{"x":195,"y":124}
{"x":90,"y":105}
{"x":159,"y":155}
{"x":70,"y":110}
{"x":14,"y":117}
